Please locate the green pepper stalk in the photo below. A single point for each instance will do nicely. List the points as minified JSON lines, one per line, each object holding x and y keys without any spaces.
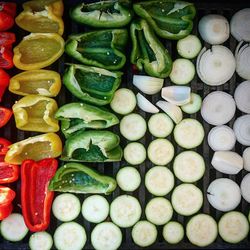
{"x":148,"y":53}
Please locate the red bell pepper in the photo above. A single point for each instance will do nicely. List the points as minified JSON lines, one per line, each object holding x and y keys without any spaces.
{"x":4,"y":82}
{"x":36,"y":199}
{"x":7,"y":14}
{"x":4,"y":144}
{"x":5,"y":115}
{"x":8,"y":172}
{"x":7,"y":39}
{"x":7,"y":195}
{"x":6,"y":57}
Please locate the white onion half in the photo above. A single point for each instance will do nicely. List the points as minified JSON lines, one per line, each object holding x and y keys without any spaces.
{"x":221,"y":138}
{"x":227,"y":162}
{"x":246,"y":159}
{"x":218,"y":108}
{"x":242,"y":130}
{"x":242,"y":96}
{"x":214,"y":29}
{"x":145,"y":105}
{"x":240,"y":25}
{"x":242,"y":57}
{"x":215,"y":66}
{"x":147,"y":84}
{"x":245,"y":187}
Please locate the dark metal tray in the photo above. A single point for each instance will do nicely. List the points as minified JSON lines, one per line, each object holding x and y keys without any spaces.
{"x":226,"y":8}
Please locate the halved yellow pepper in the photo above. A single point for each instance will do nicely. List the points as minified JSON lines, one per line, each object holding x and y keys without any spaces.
{"x":36,"y":113}
{"x":40,"y":82}
{"x":35,"y":148}
{"x":38,"y":50}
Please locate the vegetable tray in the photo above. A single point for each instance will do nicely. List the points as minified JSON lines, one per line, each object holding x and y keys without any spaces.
{"x":226,"y":8}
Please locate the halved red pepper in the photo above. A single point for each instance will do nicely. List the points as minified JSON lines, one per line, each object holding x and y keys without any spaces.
{"x":4,"y":144}
{"x":7,"y":39}
{"x":7,"y":14}
{"x":36,"y":199}
{"x":4,"y":82}
{"x":6,"y":57}
{"x":8,"y":172}
{"x":5,"y":115}
{"x":7,"y":195}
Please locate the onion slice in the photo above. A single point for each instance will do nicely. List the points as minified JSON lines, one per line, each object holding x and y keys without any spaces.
{"x":145,"y":105}
{"x":242,"y":130}
{"x":218,"y":108}
{"x":215,"y":66}
{"x":147,"y":84}
{"x":242,"y":96}
{"x":178,"y":95}
{"x":246,"y":159}
{"x":245,"y":187}
{"x":242,"y":57}
{"x":173,"y":111}
{"x":240,"y":25}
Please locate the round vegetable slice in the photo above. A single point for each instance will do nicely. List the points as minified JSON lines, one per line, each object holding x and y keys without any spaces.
{"x":173,"y":232}
{"x":133,"y":127}
{"x":134,"y":153}
{"x":189,"y":133}
{"x":245,"y":187}
{"x":242,"y":97}
{"x":125,"y":211}
{"x":202,"y":230}
{"x":242,"y":54}
{"x":144,"y":233}
{"x":233,"y":227}
{"x":194,"y":105}
{"x":106,"y":236}
{"x":246,"y":159}
{"x":187,"y":199}
{"x":218,"y":108}
{"x":159,"y":180}
{"x":242,"y":130}
{"x":40,"y":241}
{"x":95,"y":208}
{"x":159,"y":211}
{"x":224,"y":194}
{"x":189,"y":166}
{"x":128,"y":179}
{"x":160,"y":151}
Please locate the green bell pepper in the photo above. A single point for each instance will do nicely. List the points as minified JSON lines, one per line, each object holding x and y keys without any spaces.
{"x":103,"y":14}
{"x":78,"y":178}
{"x":171,"y":19}
{"x":79,"y":116}
{"x":92,"y":146}
{"x":148,"y":53}
{"x":90,"y":84}
{"x":103,"y":48}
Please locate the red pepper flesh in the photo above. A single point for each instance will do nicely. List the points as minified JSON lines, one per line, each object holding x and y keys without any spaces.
{"x":9,"y":8}
{"x":4,"y":144}
{"x":7,"y":195}
{"x":36,"y":199}
{"x":7,"y":14}
{"x":4,"y":82}
{"x":5,"y":211}
{"x":7,"y":39}
{"x":6,"y":57}
{"x":5,"y":115}
{"x":8,"y":172}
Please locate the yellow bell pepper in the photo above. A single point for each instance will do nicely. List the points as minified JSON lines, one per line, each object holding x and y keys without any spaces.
{"x":38,"y":50}
{"x":34,"y":148}
{"x":36,"y":113}
{"x":40,"y":82}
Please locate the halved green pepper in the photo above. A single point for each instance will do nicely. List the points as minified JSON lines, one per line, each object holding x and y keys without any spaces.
{"x":78,"y":178}
{"x":36,"y":113}
{"x":171,"y":19}
{"x":93,"y":85}
{"x":148,"y":53}
{"x":103,"y":48}
{"x":103,"y":14}
{"x":79,"y":116}
{"x":92,"y":146}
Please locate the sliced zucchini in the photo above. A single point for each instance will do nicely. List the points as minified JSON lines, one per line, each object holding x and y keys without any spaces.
{"x":124,"y":101}
{"x":134,"y":153}
{"x":133,"y":127}
{"x":233,"y":227}
{"x":159,"y":181}
{"x":40,"y":241}
{"x":159,"y":211}
{"x":95,"y":208}
{"x":128,"y":179}
{"x":106,"y":235}
{"x":66,"y":207}
{"x":173,"y":232}
{"x":187,"y":199}
{"x":144,"y":233}
{"x":125,"y":211}
{"x":189,"y":133}
{"x":160,"y":151}
{"x":160,"y":125}
{"x":194,"y":105}
{"x":13,"y":227}
{"x":70,"y":236}
{"x":202,"y":230}
{"x":189,"y":166}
